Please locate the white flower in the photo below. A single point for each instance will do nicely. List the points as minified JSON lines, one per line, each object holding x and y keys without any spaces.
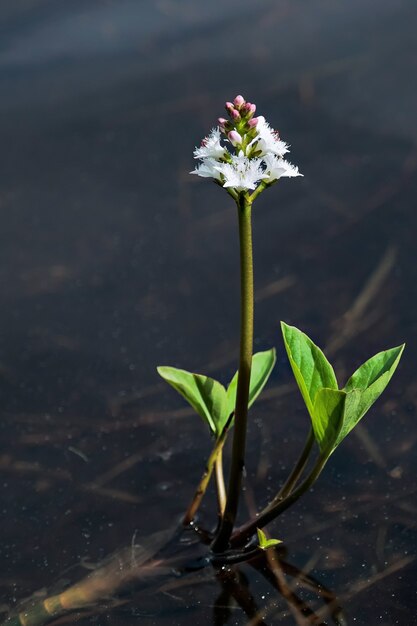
{"x":211,"y":147}
{"x":242,"y":153}
{"x":207,"y":169}
{"x":267,"y":140}
{"x":277,"y":168}
{"x":242,"y":173}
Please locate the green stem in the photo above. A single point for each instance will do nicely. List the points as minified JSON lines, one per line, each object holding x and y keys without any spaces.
{"x":271,"y":512}
{"x":257,"y":191}
{"x":205,"y":479}
{"x":221,"y":541}
{"x":296,"y":472}
{"x":221,"y":489}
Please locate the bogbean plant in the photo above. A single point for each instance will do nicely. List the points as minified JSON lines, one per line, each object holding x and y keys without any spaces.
{"x":245,"y":156}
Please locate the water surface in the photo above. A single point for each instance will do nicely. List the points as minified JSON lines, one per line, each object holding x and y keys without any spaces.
{"x":114,"y":260}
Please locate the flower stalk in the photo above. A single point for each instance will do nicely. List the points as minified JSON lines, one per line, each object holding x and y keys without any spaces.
{"x":244,"y":155}
{"x":244,"y":207}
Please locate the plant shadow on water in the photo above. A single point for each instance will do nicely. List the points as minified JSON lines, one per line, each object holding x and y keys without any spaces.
{"x":103,"y":278}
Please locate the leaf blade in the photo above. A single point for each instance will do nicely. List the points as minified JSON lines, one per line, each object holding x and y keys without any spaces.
{"x":328,"y":418}
{"x":311,"y":369}
{"x":262,"y":366}
{"x":263,"y":542}
{"x":375,"y":367}
{"x":366,"y":385}
{"x":206,"y":395}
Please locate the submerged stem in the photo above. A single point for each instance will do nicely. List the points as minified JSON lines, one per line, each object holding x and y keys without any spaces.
{"x":244,"y":206}
{"x":271,"y":512}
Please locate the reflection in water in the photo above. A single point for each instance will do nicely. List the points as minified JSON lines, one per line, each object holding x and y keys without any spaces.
{"x":283,"y":577}
{"x":164,"y":564}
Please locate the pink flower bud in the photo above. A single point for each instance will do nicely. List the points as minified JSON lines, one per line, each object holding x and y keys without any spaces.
{"x":234,"y":137}
{"x":253,"y":122}
{"x":235,"y":115}
{"x":229,"y":107}
{"x":239,"y":101}
{"x":248,"y":109}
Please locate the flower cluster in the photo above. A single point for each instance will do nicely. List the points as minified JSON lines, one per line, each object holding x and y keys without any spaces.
{"x":251,"y":154}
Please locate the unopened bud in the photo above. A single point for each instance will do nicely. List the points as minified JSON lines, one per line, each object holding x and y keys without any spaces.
{"x":226,"y":127}
{"x":222,"y":123}
{"x":229,"y":107}
{"x":239,"y":101}
{"x":235,"y":115}
{"x":248,"y":110}
{"x":253,"y":122}
{"x":234,"y":138}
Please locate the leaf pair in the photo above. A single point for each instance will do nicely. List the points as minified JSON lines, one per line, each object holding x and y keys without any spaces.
{"x":264,"y":543}
{"x":335,"y":412}
{"x":209,"y":398}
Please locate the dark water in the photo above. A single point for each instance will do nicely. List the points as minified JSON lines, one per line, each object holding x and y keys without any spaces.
{"x":113,"y":260}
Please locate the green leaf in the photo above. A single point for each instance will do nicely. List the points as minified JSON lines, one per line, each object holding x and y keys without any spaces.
{"x":311,"y":369}
{"x":366,"y":385}
{"x":265,"y":543}
{"x":262,"y":366}
{"x":206,"y":395}
{"x":376,"y":368}
{"x":327,"y":418}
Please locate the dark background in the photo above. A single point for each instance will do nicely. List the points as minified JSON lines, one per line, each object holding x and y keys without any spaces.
{"x":114,"y":260}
